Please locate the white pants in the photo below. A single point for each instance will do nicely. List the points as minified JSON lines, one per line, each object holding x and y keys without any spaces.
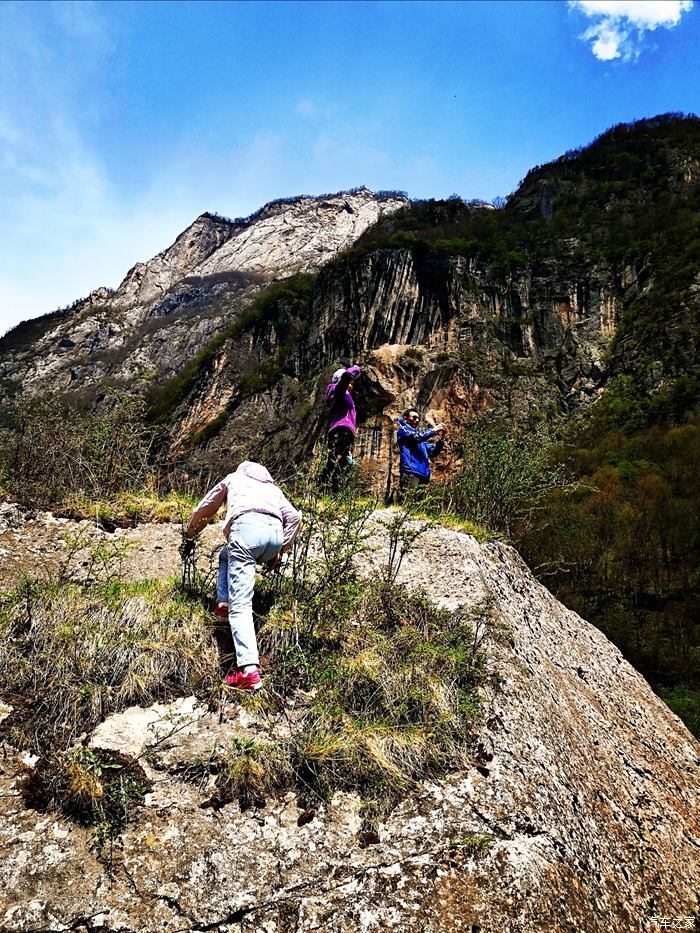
{"x":253,"y":538}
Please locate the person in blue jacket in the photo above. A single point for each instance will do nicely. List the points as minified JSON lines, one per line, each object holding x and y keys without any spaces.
{"x":416,"y":451}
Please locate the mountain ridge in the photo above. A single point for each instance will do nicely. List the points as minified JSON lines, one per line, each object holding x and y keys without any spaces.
{"x":73,"y":349}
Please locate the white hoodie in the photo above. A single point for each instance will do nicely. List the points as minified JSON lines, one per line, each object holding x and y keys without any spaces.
{"x":249,"y":489}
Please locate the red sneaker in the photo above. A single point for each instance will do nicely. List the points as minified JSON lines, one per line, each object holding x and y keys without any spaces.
{"x":240,"y":681}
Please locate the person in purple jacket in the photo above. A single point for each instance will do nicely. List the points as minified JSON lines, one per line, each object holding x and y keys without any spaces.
{"x":342,"y":425}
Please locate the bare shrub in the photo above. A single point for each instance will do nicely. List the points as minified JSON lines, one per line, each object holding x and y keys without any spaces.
{"x":56,"y":451}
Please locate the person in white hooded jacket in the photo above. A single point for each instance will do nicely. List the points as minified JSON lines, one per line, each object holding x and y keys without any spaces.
{"x":260,"y":524}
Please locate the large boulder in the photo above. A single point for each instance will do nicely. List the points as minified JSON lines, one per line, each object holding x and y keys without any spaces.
{"x":579,"y":811}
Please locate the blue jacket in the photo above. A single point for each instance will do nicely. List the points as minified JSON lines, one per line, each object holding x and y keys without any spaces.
{"x":416,"y":452}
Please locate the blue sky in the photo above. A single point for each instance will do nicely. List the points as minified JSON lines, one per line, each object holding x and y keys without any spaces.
{"x":121,"y":122}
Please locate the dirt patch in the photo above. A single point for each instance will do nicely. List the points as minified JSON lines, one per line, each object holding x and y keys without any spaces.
{"x":43,"y":546}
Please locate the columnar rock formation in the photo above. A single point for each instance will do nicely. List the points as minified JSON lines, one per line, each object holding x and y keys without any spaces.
{"x":435,"y":332}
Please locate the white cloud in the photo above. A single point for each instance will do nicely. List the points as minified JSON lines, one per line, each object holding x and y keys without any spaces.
{"x":619,"y":26}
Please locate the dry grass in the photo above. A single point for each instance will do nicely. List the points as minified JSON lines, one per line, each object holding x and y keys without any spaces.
{"x":373,"y":689}
{"x":73,"y":655}
{"x":94,"y":787}
{"x":127,"y":508}
{"x":390,"y":694}
{"x":250,"y":770}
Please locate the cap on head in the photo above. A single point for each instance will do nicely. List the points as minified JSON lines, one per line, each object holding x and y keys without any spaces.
{"x":337,"y":374}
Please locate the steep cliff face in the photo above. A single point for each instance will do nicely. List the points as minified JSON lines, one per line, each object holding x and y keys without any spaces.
{"x":578,"y":812}
{"x":439,"y":332}
{"x":587,"y":277}
{"x":166,"y":309}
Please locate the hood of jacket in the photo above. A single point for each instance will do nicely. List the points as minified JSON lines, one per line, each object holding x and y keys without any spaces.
{"x":254,"y":471}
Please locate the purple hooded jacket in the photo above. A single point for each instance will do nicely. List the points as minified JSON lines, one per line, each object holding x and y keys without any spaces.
{"x":340,"y":402}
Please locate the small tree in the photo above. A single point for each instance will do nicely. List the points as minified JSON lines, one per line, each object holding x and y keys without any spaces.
{"x":506,"y":470}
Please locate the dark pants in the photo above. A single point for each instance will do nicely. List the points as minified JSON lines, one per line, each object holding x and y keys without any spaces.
{"x":340,"y":441}
{"x":411,"y":486}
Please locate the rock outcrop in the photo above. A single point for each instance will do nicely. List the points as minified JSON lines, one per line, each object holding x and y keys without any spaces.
{"x":166,"y":309}
{"x":579,"y":811}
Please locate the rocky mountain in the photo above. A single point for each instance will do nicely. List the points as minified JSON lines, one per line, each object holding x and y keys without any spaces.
{"x":578,"y":808}
{"x":587,"y":276}
{"x":166,"y":309}
{"x":578,"y":811}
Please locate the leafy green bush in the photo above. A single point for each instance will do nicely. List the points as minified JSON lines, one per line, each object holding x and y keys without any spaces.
{"x":685,"y":703}
{"x":505,"y":471}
